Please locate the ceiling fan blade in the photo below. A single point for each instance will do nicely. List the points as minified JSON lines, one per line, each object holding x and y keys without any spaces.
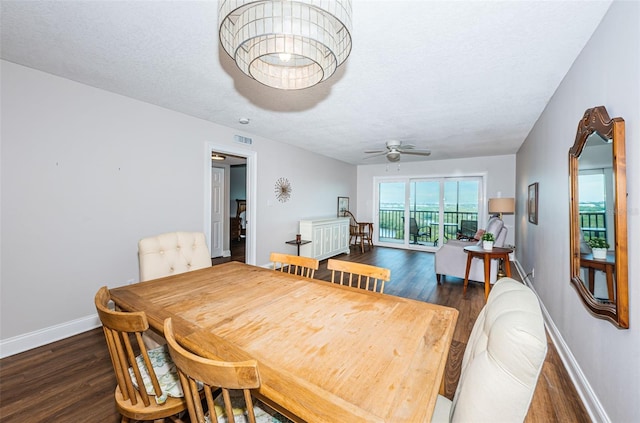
{"x":407,"y":146}
{"x":418,"y":152}
{"x":381,"y":153}
{"x":375,"y":151}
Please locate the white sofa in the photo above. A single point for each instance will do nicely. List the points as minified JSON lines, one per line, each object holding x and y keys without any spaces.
{"x":451,"y":259}
{"x":502,"y":361}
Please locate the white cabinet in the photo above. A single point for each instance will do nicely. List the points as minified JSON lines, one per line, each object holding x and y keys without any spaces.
{"x":328,"y":236}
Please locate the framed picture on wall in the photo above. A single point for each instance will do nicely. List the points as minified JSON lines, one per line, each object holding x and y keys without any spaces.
{"x":532,"y":203}
{"x":343,"y":206}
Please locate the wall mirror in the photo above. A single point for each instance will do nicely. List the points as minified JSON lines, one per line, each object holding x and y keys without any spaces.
{"x":598,"y":214}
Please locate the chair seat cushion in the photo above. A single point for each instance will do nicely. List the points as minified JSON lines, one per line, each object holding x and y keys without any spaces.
{"x":262,"y":413}
{"x":166,"y":372}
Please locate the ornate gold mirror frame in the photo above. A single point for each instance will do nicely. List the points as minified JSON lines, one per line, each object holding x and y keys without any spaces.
{"x":597,"y":126}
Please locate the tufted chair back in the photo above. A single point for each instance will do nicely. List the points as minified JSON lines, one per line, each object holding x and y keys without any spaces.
{"x":502,"y":361}
{"x":172,"y":253}
{"x":495,"y":225}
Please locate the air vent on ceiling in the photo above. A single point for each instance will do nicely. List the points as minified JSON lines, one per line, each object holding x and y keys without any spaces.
{"x":243,"y":140}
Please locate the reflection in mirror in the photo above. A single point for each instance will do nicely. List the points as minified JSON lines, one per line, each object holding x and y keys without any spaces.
{"x":598,"y":216}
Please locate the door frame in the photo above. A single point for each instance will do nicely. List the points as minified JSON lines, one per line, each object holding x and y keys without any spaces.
{"x":252,"y":179}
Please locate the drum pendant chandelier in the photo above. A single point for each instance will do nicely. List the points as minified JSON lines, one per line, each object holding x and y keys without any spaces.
{"x":286,"y":44}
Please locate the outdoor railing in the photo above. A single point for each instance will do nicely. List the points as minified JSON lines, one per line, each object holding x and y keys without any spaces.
{"x":391,"y":225}
{"x":593,"y":225}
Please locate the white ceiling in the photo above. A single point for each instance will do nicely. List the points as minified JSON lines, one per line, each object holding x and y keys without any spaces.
{"x":462,"y":78}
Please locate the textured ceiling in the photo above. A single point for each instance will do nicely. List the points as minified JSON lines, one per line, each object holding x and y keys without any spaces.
{"x":462,"y":78}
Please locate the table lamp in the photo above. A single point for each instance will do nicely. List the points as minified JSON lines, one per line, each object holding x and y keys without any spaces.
{"x":502,"y":205}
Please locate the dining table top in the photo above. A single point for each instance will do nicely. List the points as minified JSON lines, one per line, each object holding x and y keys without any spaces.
{"x":325,"y":352}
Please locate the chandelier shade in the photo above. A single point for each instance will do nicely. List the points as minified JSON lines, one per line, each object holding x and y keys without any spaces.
{"x":283,"y":44}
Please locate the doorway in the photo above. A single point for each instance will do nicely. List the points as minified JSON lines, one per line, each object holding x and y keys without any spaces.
{"x":237,"y":167}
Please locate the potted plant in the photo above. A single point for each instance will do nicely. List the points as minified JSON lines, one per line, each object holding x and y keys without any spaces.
{"x":487,"y":241}
{"x":599,"y":247}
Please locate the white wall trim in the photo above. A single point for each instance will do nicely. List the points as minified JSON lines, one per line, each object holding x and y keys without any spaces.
{"x":586,"y":393}
{"x":38,"y":338}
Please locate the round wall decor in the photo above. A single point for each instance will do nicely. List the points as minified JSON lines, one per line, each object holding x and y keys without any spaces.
{"x":283,"y":190}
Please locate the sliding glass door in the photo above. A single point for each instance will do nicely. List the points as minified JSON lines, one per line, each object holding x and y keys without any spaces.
{"x":424,"y":213}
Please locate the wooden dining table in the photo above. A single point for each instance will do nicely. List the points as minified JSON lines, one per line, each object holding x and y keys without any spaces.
{"x":325,"y":352}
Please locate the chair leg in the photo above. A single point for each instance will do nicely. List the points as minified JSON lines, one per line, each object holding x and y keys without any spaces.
{"x":438,"y":278}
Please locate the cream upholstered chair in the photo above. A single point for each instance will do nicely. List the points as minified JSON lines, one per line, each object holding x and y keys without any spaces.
{"x":160,"y":394}
{"x":169,"y":254}
{"x":502,"y":361}
{"x":212,"y":375}
{"x":172,"y":253}
{"x":295,"y":265}
{"x":451,"y":259}
{"x":358,"y":275}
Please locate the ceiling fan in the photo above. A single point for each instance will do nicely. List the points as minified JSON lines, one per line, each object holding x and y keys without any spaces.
{"x":394,"y":149}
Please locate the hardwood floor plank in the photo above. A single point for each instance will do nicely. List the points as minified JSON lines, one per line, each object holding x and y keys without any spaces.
{"x":72,"y":380}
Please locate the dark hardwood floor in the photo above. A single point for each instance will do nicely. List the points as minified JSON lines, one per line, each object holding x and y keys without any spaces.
{"x":72,"y":380}
{"x":237,"y":247}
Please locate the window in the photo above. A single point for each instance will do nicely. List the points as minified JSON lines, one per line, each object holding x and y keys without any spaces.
{"x":425,"y":212}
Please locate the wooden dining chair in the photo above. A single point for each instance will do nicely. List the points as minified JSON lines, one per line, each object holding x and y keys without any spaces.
{"x":132,"y":362}
{"x":360,"y":233}
{"x":213,"y":376}
{"x":295,"y":265}
{"x":359,"y":275}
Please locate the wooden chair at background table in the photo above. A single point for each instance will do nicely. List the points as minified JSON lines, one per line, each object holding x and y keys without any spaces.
{"x":123,"y":333}
{"x":360,"y":275}
{"x":360,"y":232}
{"x":214,"y":375}
{"x":295,"y":265}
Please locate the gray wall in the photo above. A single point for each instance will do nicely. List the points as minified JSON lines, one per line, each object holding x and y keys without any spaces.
{"x":607,"y":73}
{"x":86,"y":173}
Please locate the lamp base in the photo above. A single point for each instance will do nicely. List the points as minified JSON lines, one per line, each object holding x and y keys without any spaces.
{"x":501,"y":273}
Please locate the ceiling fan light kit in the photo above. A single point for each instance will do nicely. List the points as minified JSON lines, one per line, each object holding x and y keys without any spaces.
{"x":287,"y":45}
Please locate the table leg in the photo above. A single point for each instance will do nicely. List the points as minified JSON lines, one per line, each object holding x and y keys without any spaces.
{"x":466,"y":273}
{"x":609,"y":273}
{"x":487,"y":272}
{"x":507,"y":265}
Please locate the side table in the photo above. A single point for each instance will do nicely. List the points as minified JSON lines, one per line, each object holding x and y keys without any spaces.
{"x":486,"y":255}
{"x":298,"y":243}
{"x":607,"y":265}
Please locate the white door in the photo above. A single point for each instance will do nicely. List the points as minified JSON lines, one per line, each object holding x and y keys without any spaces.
{"x":217,"y":211}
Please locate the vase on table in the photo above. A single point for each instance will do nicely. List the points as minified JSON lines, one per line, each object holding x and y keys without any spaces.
{"x":487,"y":245}
{"x":599,"y":253}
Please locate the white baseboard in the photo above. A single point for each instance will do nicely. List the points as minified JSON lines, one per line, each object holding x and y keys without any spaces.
{"x":38,"y":338}
{"x":589,"y":398}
